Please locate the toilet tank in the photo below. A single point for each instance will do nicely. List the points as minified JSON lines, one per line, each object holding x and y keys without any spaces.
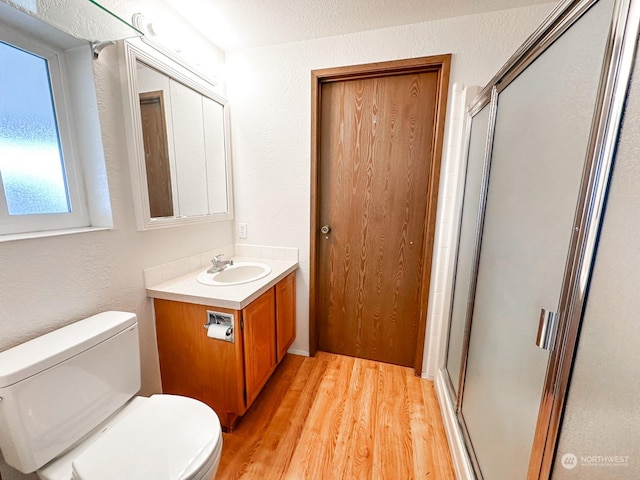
{"x":56,"y":388}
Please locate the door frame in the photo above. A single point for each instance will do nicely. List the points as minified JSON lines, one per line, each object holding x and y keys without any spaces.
{"x":441,"y":65}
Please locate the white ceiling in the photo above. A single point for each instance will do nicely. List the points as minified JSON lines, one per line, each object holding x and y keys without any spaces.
{"x":233,"y":24}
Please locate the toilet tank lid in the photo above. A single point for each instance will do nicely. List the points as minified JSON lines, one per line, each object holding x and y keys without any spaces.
{"x":34,"y":356}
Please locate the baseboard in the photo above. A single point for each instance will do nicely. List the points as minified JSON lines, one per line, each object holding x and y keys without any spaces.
{"x":459,"y":455}
{"x":295,"y":351}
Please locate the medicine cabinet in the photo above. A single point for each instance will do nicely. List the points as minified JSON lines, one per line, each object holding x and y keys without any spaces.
{"x":178,"y":141}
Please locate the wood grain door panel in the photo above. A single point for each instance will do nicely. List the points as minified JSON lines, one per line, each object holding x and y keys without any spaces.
{"x":376,"y":149}
{"x":259,"y":343}
{"x":285,"y":314}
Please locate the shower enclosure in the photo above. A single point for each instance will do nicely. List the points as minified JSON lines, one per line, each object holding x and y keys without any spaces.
{"x":541,"y":145}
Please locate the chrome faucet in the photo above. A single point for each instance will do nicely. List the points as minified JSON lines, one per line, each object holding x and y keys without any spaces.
{"x":219,"y":264}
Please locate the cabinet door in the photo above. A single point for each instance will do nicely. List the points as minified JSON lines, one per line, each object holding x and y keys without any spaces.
{"x":196,"y":366}
{"x":285,"y":314}
{"x":259,"y":343}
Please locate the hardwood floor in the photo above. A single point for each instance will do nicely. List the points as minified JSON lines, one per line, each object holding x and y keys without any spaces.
{"x":335,"y":417}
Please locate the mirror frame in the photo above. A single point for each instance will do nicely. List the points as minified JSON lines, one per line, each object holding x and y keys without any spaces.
{"x":133,"y":51}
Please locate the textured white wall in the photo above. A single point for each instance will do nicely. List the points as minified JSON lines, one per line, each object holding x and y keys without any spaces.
{"x":269,"y":90}
{"x":49,"y":282}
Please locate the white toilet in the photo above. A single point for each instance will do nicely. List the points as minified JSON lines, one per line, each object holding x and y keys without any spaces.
{"x":68,"y":410}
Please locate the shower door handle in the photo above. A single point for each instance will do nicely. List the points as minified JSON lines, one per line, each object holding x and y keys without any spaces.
{"x":547,"y":329}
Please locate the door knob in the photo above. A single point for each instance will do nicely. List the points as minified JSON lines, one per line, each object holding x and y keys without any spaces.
{"x":325,"y":229}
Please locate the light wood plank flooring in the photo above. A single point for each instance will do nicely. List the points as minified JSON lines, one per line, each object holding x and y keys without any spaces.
{"x":334,"y":417}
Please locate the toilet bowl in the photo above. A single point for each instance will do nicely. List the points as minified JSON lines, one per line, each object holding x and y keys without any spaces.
{"x":68,"y":410}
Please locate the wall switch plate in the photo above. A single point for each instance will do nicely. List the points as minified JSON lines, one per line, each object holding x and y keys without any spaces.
{"x":242,"y":230}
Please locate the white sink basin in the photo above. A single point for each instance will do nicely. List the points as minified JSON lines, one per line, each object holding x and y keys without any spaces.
{"x":241,"y":272}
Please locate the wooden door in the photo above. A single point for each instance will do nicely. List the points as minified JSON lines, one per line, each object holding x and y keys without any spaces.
{"x":156,"y":154}
{"x":378,"y":143}
{"x":259,"y":343}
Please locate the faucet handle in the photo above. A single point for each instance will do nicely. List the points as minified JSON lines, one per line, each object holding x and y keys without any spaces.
{"x":217,"y":258}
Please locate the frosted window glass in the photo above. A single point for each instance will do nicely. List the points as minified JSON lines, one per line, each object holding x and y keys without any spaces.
{"x":31,"y":164}
{"x":600,"y":429}
{"x":466,"y":245}
{"x":540,"y":143}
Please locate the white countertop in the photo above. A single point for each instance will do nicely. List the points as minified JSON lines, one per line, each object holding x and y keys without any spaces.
{"x":187,"y":289}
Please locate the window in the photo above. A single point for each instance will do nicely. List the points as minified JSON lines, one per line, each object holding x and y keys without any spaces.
{"x":40,"y":181}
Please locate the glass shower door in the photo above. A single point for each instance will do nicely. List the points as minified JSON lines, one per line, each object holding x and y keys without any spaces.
{"x":466,"y":235}
{"x":540,"y":142}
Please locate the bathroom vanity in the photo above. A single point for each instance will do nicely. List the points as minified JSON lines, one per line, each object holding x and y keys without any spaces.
{"x":227,"y":375}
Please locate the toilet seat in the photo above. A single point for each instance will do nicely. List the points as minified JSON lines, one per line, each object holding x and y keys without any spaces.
{"x":164,"y":437}
{"x":167,"y":437}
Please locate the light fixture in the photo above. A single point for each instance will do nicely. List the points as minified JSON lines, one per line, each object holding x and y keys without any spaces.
{"x":162,"y":39}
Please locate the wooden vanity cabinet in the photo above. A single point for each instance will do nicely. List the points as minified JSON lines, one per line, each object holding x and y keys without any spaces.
{"x":226,"y":376}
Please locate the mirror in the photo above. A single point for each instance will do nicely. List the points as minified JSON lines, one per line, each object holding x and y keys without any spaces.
{"x":178,"y":142}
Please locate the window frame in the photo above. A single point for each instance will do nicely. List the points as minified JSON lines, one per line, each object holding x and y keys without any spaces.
{"x":78,"y":217}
